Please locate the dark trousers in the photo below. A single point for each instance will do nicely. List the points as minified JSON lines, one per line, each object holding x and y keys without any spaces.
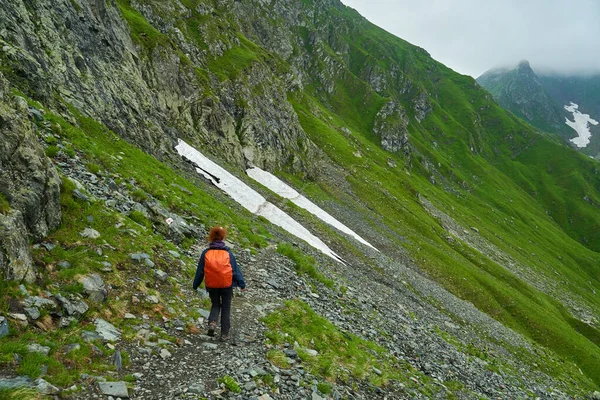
{"x":221,"y":303}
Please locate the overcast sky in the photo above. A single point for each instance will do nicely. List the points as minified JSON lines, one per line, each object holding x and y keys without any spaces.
{"x":472,"y":36}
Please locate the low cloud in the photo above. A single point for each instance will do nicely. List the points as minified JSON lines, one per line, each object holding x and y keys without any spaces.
{"x":472,"y":36}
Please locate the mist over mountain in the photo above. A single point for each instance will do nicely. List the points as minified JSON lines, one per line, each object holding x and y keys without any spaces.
{"x":567,"y":104}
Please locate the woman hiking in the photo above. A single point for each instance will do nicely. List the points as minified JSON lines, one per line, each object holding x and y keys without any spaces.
{"x":220,"y":272}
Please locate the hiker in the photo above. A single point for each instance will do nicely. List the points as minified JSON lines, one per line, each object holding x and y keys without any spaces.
{"x":220,"y":272}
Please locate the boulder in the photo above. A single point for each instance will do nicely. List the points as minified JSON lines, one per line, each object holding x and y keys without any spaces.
{"x":74,"y":306}
{"x":115,"y":389}
{"x":94,"y":287}
{"x":106,"y":330}
{"x":13,"y":383}
{"x":44,"y":387}
{"x":15,"y":256}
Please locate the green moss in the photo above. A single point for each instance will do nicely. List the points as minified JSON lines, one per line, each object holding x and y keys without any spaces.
{"x":4,"y":204}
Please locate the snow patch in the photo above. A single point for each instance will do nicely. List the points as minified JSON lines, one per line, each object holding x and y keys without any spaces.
{"x":249,"y":198}
{"x":281,"y":188}
{"x":581,"y":125}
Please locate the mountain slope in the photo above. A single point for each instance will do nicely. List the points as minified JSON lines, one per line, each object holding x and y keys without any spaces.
{"x":546,"y":100}
{"x":417,"y":159}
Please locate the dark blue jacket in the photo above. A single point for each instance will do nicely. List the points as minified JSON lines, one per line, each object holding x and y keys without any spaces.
{"x":238,"y":279}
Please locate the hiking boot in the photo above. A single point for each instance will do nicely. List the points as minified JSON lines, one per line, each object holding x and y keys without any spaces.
{"x":225,"y":338}
{"x":212,"y":326}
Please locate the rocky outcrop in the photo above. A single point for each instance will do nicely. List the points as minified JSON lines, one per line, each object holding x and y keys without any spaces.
{"x":154,"y":81}
{"x":29,"y":183}
{"x":391,"y":126}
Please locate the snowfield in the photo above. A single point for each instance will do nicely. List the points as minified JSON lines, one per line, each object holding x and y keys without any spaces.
{"x":581,"y":125}
{"x":273,"y":183}
{"x":249,"y":198}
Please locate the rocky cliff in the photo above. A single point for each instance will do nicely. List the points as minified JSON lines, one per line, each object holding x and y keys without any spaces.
{"x":29,"y":188}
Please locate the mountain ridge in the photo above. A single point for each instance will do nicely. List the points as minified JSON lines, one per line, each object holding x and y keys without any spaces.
{"x":542,"y":99}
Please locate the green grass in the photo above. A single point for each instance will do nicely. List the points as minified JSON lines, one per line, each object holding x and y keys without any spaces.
{"x":303,"y":263}
{"x":52,"y":151}
{"x":142,"y":32}
{"x":230,"y":384}
{"x":19,"y":394}
{"x":341,"y":355}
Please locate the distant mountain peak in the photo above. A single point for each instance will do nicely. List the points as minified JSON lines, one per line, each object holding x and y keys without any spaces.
{"x":524,"y":67}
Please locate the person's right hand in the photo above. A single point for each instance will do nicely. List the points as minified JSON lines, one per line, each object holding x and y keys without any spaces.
{"x":244,"y":289}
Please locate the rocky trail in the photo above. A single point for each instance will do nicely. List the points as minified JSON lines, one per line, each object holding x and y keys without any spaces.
{"x":196,"y":366}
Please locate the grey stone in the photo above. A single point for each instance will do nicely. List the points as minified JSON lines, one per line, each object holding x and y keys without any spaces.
{"x":32,"y":312}
{"x":249,"y":386}
{"x":80,"y":195}
{"x":118,"y":361}
{"x":210,"y":346}
{"x":197,"y":388}
{"x":64,"y":265}
{"x":107,"y":330}
{"x":149,"y":262}
{"x":139,"y":256}
{"x":15,"y":256}
{"x":204,"y":313}
{"x":596,"y":395}
{"x":12,"y":383}
{"x":316,"y":396}
{"x":165,"y":354}
{"x":116,"y":389}
{"x":311,"y":352}
{"x":48,"y":246}
{"x":72,"y":347}
{"x":291,"y":353}
{"x":44,"y":387}
{"x":174,"y":253}
{"x":90,"y":336}
{"x":90,"y":233}
{"x":162,"y":275}
{"x":37,"y":348}
{"x":377,"y":371}
{"x":75,"y":307}
{"x":94,"y":287}
{"x":273,"y":284}
{"x":152,"y":299}
{"x":3,"y":326}
{"x":23,"y":290}
{"x":129,"y":316}
{"x":39,"y":302}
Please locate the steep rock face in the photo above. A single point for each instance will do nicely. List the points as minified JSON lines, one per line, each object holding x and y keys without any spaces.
{"x":322,"y":43}
{"x":390,"y":125}
{"x":30,"y":184}
{"x":520,"y":91}
{"x":150,"y":83}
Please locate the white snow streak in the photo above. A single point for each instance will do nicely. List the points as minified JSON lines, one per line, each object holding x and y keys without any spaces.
{"x":249,"y":198}
{"x":581,"y":125}
{"x":276,"y":185}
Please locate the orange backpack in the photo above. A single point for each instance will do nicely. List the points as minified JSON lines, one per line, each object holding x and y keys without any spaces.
{"x":218,"y":273}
